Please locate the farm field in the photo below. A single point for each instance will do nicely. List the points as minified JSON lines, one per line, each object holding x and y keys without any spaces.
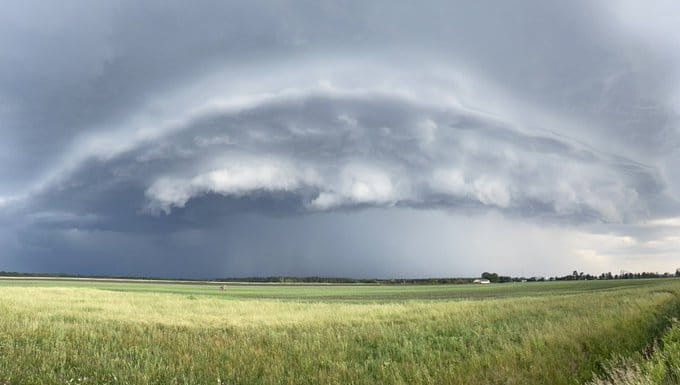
{"x":124,"y":332}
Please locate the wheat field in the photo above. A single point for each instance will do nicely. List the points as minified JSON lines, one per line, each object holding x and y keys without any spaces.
{"x":71,"y":332}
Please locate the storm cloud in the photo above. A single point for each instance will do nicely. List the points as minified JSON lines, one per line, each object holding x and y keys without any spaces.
{"x":356,"y":139}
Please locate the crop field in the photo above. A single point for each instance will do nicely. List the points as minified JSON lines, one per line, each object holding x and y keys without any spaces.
{"x":62,"y":331}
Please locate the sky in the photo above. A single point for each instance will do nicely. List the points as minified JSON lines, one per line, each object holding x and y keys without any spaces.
{"x":352,"y":139}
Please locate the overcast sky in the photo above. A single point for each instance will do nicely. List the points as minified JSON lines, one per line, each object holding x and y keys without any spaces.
{"x":354,"y":138}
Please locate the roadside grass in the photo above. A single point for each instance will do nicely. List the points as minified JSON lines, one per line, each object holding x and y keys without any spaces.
{"x":661,"y":367}
{"x":88,"y":334}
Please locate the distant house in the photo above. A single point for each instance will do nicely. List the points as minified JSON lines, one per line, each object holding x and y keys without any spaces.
{"x":482,"y":281}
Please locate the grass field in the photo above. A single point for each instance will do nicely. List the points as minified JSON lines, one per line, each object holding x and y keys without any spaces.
{"x":660,"y":367}
{"x":105,"y":332}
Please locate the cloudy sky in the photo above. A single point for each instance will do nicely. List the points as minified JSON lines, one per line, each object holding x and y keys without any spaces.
{"x":358,"y":138}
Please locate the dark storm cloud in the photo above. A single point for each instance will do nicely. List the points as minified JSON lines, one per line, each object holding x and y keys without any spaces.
{"x":144,"y":134}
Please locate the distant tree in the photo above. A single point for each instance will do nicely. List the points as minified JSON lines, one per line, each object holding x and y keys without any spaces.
{"x":493,"y":277}
{"x":503,"y":279}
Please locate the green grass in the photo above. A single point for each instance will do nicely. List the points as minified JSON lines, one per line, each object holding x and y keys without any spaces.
{"x":65,"y":332}
{"x":661,"y":367}
{"x":345,"y":293}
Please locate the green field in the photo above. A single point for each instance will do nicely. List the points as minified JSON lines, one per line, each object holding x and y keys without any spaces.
{"x":126,"y":332}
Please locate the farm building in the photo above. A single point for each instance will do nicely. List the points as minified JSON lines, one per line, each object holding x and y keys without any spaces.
{"x":484,"y":281}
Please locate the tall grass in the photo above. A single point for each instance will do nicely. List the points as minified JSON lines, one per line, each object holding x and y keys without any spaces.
{"x":661,"y":367}
{"x":52,"y":335}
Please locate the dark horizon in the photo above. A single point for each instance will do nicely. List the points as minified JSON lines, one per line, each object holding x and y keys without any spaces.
{"x":345,"y":279}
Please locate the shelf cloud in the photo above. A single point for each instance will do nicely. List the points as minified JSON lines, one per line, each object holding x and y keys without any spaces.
{"x":359,"y":139}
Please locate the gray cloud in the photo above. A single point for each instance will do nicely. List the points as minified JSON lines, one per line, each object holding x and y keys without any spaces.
{"x":171,"y":139}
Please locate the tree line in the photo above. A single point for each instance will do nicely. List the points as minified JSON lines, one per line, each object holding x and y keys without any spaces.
{"x":492,"y":277}
{"x":580,"y":276}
